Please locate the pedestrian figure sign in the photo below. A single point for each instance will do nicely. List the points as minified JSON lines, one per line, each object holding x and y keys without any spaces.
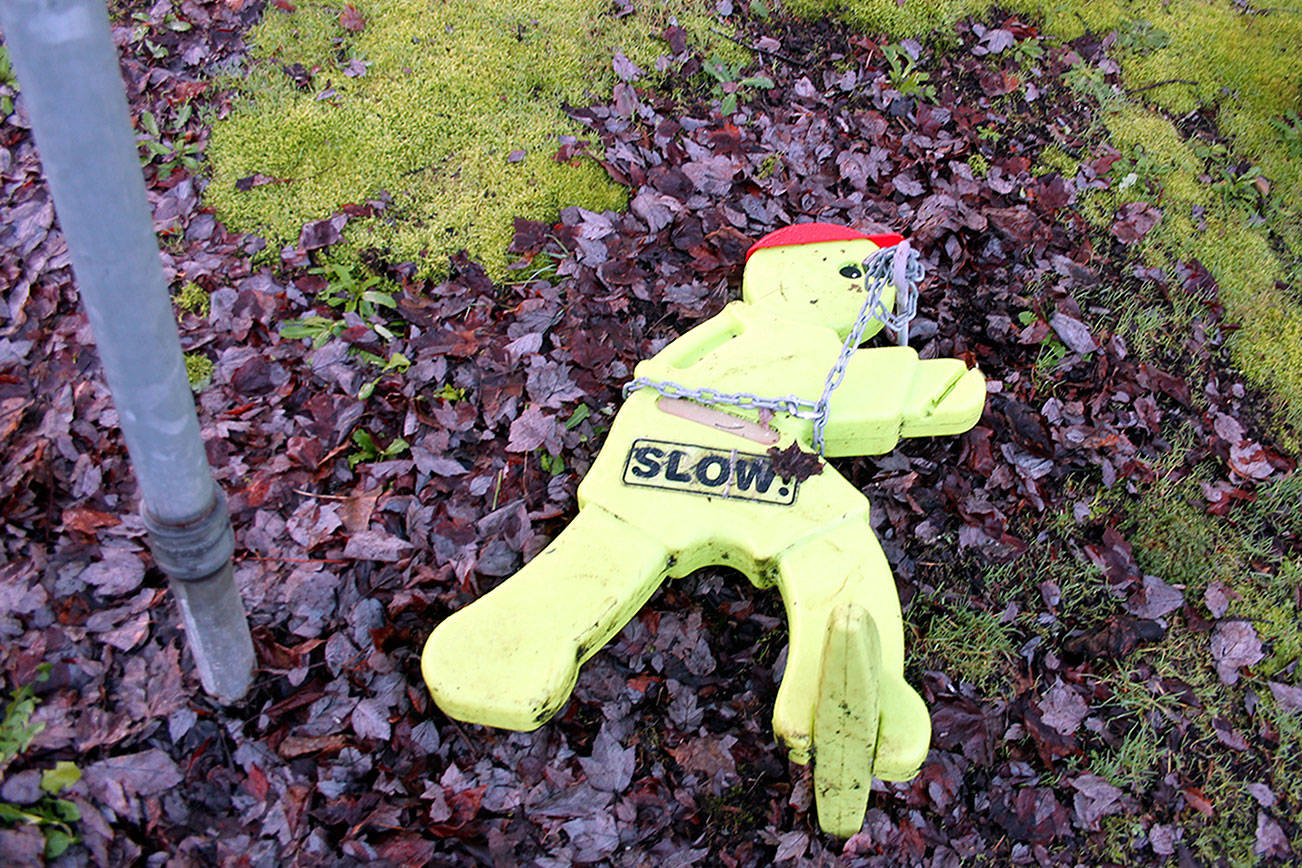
{"x":683,"y":481}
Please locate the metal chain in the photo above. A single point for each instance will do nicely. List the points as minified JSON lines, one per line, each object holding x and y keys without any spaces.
{"x":901,"y":266}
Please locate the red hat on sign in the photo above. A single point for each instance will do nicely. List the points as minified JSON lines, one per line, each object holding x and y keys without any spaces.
{"x":814,"y":233}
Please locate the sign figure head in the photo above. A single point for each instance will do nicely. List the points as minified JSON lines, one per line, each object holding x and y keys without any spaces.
{"x":813,"y":273}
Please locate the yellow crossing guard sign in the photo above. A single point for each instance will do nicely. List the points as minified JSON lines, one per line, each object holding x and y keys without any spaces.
{"x":679,"y":485}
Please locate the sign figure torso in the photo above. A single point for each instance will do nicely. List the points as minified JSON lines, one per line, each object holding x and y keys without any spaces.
{"x":675,"y":489}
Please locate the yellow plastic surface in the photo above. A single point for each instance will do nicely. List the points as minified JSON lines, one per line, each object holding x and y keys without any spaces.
{"x":846,"y":719}
{"x":669,"y":494}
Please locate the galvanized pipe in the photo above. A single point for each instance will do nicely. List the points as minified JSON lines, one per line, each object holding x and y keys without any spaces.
{"x":67,"y":69}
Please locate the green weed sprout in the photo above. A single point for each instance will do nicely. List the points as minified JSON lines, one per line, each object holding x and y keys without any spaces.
{"x":367,"y":450}
{"x":318,"y":329}
{"x":728,"y":82}
{"x":173,"y":149}
{"x":397,"y":362}
{"x":16,"y":729}
{"x":52,"y":815}
{"x":345,"y":292}
{"x":905,"y":75}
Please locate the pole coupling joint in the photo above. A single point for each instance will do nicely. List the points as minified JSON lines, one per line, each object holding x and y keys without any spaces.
{"x":195,"y":549}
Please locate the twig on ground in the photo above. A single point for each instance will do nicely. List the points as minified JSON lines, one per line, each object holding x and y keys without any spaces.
{"x":296,"y":560}
{"x":321,"y":496}
{"x":1159,"y":84}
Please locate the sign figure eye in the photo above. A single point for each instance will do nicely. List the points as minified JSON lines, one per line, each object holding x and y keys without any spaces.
{"x":851,"y":271}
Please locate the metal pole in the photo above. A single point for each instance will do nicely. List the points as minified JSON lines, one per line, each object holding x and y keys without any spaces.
{"x":69,"y":79}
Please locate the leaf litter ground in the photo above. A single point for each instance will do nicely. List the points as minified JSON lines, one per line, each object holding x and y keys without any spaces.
{"x":665,"y":753}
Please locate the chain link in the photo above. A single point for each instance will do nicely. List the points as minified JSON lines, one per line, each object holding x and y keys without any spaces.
{"x":898,"y":265}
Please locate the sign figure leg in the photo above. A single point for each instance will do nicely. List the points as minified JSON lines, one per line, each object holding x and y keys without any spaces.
{"x":846,"y":720}
{"x":512,"y":657}
{"x":843,"y":699}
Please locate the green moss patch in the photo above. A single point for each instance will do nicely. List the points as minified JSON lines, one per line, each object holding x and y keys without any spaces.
{"x":198,"y":370}
{"x":972,"y":645}
{"x":452,"y":109}
{"x":193,"y":298}
{"x":1202,"y":220}
{"x":1244,"y":65}
{"x":899,"y":19}
{"x":1239,"y":69}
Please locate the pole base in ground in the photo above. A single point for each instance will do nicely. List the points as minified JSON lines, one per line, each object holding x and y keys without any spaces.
{"x":218,"y":633}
